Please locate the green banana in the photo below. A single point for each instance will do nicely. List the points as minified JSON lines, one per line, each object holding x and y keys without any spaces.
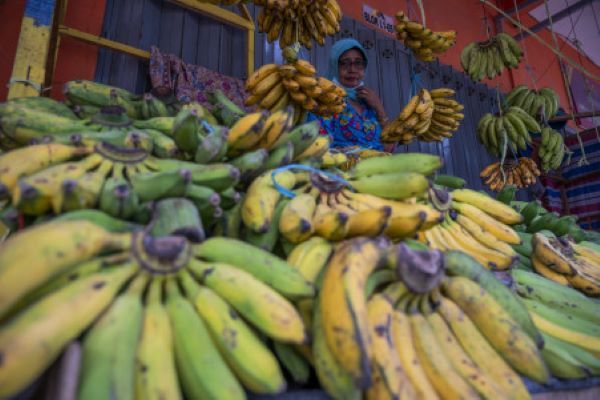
{"x":99,"y":218}
{"x":421,"y":163}
{"x":118,"y":199}
{"x":293,"y":362}
{"x":267,"y":240}
{"x":226,"y":111}
{"x":177,"y":217}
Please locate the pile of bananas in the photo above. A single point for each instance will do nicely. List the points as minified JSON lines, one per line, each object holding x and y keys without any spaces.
{"x":386,"y":202}
{"x":274,"y":87}
{"x":163,"y":313}
{"x":512,"y":126}
{"x":552,"y":149}
{"x":567,"y":263}
{"x":521,"y":173}
{"x":429,"y":116}
{"x":435,"y":325}
{"x":490,"y":57}
{"x":425,"y":44}
{"x":291,"y":21}
{"x":536,"y":219}
{"x":531,"y":101}
{"x":568,"y":322}
{"x":478,"y":225}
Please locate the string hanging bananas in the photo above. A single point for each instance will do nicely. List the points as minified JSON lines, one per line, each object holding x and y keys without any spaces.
{"x":291,"y":21}
{"x":490,"y":57}
{"x":511,"y":128}
{"x":522,"y":173}
{"x":275,"y":87}
{"x":425,"y":44}
{"x":428,"y":116}
{"x":537,"y":103}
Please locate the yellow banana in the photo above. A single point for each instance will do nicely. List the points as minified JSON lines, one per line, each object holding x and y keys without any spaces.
{"x":409,"y":109}
{"x":316,"y":150}
{"x":252,"y":362}
{"x":545,"y":271}
{"x":484,"y":237}
{"x":310,"y":257}
{"x":261,"y":198}
{"x":371,"y":222}
{"x":496,"y":228}
{"x":481,"y":352}
{"x":47,"y":250}
{"x":489,"y":205}
{"x":500,"y":329}
{"x":330,"y":223}
{"x":273,"y":96}
{"x":266,"y":84}
{"x":550,"y":254}
{"x":260,"y":74}
{"x":32,"y":340}
{"x":344,"y":308}
{"x":277,"y":124}
{"x":590,"y":343}
{"x":393,"y":381}
{"x":295,"y":222}
{"x":254,"y":300}
{"x":246,"y":132}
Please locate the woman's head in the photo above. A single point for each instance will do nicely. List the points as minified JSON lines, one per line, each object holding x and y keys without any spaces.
{"x":348,"y":62}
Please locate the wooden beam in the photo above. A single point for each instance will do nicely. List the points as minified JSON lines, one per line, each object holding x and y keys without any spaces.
{"x":568,"y":117}
{"x":218,"y":13}
{"x":29,"y":68}
{"x":103,"y":42}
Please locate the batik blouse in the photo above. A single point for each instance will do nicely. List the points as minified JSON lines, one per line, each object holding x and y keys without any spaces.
{"x":351,"y":128}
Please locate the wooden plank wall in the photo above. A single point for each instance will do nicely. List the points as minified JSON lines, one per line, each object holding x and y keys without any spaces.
{"x":200,"y":40}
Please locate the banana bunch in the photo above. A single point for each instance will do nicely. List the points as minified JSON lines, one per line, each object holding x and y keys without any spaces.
{"x":568,"y":321}
{"x":415,"y":333}
{"x":161,"y":317}
{"x":122,"y":182}
{"x":425,"y":44}
{"x":567,"y":263}
{"x":543,"y":102}
{"x":275,"y":87}
{"x":292,"y":21}
{"x":490,"y":57}
{"x":552,"y":149}
{"x":429,"y":116}
{"x":536,"y":219}
{"x":511,"y":127}
{"x":521,"y":173}
{"x":479,"y":226}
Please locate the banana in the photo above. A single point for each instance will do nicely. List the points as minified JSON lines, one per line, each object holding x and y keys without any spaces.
{"x":368,"y":222}
{"x":310,"y":257}
{"x":481,"y":352}
{"x":344,"y":309}
{"x":489,"y":205}
{"x":293,"y":361}
{"x":108,"y":359}
{"x":279,"y":275}
{"x":254,"y":300}
{"x":246,"y":133}
{"x":485,"y":238}
{"x":496,"y":228}
{"x":277,"y":124}
{"x":389,"y":379}
{"x":421,"y":163}
{"x":561,"y":363}
{"x":31,"y":341}
{"x":267,"y":240}
{"x":330,"y":223}
{"x":550,"y":253}
{"x":585,"y":341}
{"x":261,"y":197}
{"x":59,"y":245}
{"x":397,"y":185}
{"x":496,"y":324}
{"x":295,"y":224}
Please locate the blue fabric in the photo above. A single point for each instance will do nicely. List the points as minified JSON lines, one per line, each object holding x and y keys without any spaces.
{"x":349,"y":128}
{"x":339,"y":48}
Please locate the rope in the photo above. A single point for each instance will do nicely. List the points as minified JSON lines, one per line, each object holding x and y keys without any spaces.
{"x":288,"y":193}
{"x":486,"y":22}
{"x":527,"y":64}
{"x":422,"y":9}
{"x":542,"y":41}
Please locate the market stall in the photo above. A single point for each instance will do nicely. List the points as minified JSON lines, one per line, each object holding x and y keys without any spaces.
{"x":330,"y":211}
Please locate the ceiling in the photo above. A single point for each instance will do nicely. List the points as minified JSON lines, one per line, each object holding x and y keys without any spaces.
{"x":582,"y":24}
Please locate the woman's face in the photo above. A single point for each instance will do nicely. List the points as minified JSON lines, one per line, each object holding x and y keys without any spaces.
{"x":351,"y":68}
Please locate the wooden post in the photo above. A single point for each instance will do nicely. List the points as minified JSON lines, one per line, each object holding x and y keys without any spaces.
{"x":29,"y":68}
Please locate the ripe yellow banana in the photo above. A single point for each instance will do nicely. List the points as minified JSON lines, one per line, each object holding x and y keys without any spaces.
{"x":489,"y":205}
{"x":310,"y":257}
{"x":330,"y":223}
{"x":260,"y":75}
{"x":371,"y":222}
{"x":484,"y":237}
{"x":58,"y":246}
{"x":31,"y":341}
{"x":550,"y":254}
{"x":501,"y":231}
{"x":500,"y":329}
{"x":295,"y":223}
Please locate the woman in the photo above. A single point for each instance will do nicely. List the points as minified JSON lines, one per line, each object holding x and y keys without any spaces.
{"x":363,"y":117}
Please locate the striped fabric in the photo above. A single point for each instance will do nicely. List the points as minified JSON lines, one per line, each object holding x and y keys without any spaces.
{"x":582,"y":185}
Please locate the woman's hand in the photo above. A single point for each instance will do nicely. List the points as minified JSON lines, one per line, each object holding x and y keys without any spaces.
{"x":371,"y":98}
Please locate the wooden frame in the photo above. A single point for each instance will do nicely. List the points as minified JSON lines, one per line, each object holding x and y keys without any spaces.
{"x":244,"y":22}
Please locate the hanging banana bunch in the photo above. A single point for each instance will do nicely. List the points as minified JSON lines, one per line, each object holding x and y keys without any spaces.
{"x":552,"y":149}
{"x":429,"y":116}
{"x":425,"y":44}
{"x":291,"y":21}
{"x":490,"y":57}
{"x":513,"y":126}
{"x":534,"y":102}
{"x":274,"y":87}
{"x":521,"y":173}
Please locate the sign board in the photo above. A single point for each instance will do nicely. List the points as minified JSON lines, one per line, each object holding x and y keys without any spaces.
{"x":378,"y":19}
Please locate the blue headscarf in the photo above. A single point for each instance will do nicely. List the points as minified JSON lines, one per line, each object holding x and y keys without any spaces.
{"x":339,"y":48}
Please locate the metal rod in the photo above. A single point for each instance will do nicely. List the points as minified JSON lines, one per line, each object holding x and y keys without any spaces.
{"x":567,"y":117}
{"x":555,"y":18}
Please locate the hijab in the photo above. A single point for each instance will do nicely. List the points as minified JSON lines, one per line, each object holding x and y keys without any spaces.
{"x":339,"y":48}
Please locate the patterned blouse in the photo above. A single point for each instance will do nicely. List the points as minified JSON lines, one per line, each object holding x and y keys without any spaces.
{"x":350,"y":128}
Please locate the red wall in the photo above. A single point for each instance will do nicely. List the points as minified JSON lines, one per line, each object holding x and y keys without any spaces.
{"x":78,"y":60}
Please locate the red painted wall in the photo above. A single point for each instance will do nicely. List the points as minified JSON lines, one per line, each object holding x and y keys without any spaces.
{"x":12,"y":14}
